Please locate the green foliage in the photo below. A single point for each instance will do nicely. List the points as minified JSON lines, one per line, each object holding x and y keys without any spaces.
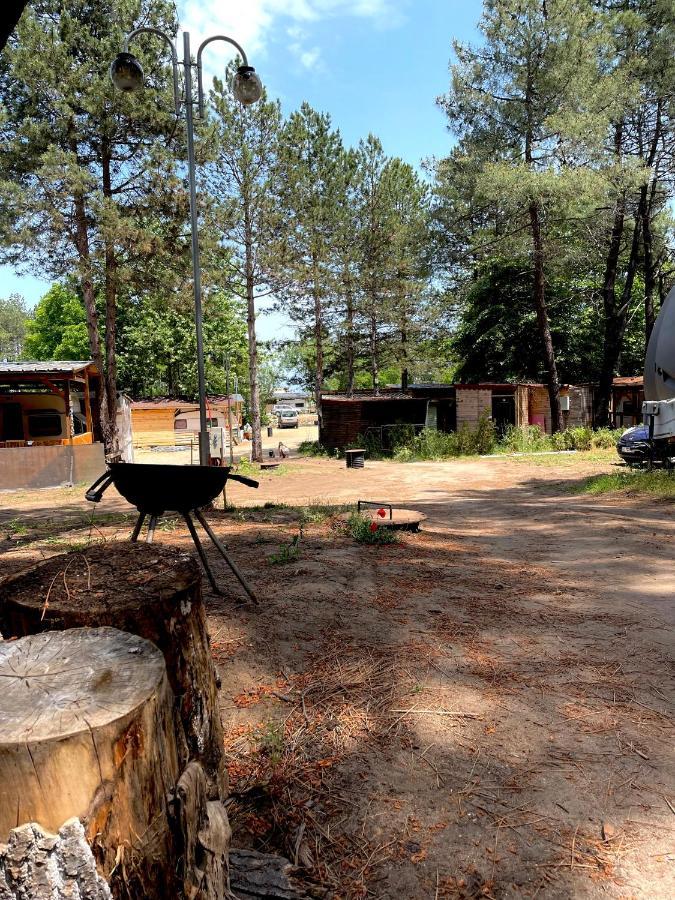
{"x":361,"y":529}
{"x":289,"y":552}
{"x":157,"y":346}
{"x":58,"y":327}
{"x":13,"y":318}
{"x":312,"y":448}
{"x":271,"y":741}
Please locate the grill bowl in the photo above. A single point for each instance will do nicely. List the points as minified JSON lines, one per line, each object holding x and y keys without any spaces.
{"x":154,"y":489}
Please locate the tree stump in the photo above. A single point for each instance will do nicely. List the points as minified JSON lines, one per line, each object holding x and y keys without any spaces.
{"x":87,"y":730}
{"x":154,"y":592}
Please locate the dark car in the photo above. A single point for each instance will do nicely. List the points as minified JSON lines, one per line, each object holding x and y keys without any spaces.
{"x":633,"y":446}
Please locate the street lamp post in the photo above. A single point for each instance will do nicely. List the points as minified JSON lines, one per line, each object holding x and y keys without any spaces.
{"x":126,"y":74}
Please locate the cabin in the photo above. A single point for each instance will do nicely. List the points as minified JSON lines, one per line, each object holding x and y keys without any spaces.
{"x":167,"y":421}
{"x":49,"y":426}
{"x":446,"y":407}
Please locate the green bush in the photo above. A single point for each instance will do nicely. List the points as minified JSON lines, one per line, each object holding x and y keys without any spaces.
{"x":362,"y":531}
{"x":312,"y":448}
{"x":605,"y":438}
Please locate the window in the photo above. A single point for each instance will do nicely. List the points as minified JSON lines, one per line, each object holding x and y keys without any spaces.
{"x":212,"y":423}
{"x":180,"y":424}
{"x":44,"y":424}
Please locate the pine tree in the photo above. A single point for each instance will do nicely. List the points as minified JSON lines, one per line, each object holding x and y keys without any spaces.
{"x":529,"y":109}
{"x":310,"y":188}
{"x":240,"y":180}
{"x":87,"y":173}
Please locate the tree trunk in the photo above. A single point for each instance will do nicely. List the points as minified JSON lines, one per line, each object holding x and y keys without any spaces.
{"x":110,"y":755}
{"x":254,"y":387}
{"x":539,"y":287}
{"x":349,"y":338}
{"x":150,"y":591}
{"x":650,"y":274}
{"x":318,"y":342}
{"x":374,"y":361}
{"x":81,"y":240}
{"x":539,"y":296}
{"x":110,"y":317}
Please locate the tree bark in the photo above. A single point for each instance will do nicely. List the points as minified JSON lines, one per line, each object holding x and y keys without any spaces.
{"x":42,"y":866}
{"x":150,"y":591}
{"x":110,"y":316}
{"x":81,"y":240}
{"x":374,"y":361}
{"x":349,"y":337}
{"x":318,"y":340}
{"x":254,"y":387}
{"x":539,"y":296}
{"x":539,"y":284}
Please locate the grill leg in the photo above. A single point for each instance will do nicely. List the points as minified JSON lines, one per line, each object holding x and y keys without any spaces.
{"x":200,"y":550}
{"x":151,"y":529}
{"x":137,"y":527}
{"x":223,"y":552}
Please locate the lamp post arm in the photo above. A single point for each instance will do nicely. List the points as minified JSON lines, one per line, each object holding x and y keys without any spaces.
{"x":200,"y":86}
{"x":174,"y":57}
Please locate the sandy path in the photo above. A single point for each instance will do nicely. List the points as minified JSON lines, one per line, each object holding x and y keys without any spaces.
{"x":527,"y":631}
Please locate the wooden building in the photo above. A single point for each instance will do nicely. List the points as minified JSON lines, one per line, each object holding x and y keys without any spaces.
{"x":169,"y":421}
{"x":628,"y":395}
{"x":49,"y":424}
{"x":49,"y":403}
{"x":447,"y":407}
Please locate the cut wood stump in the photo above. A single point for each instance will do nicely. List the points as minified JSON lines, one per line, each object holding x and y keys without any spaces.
{"x":87,"y":730}
{"x":154,"y":592}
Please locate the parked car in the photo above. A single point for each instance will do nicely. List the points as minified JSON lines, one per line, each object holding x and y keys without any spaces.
{"x":288,"y":418}
{"x":633,"y":446}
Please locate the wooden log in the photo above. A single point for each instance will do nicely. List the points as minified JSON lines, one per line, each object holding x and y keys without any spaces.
{"x":154,"y":592}
{"x":87,"y":729}
{"x":37,"y":865}
{"x":262,"y":876}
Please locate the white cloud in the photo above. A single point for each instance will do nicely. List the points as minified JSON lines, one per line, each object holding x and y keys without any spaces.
{"x":253,"y":23}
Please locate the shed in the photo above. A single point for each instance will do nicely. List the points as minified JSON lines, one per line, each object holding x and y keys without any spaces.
{"x":522,"y":404}
{"x":164,"y":421}
{"x":49,"y":424}
{"x":344,"y":418}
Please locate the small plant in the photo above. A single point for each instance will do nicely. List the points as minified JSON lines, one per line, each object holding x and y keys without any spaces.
{"x":369,"y":531}
{"x":287,"y":553}
{"x":16,"y":528}
{"x":270,"y":740}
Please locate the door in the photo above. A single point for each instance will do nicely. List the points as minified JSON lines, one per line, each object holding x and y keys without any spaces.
{"x":432,"y":415}
{"x":503,"y":412}
{"x":11,"y":422}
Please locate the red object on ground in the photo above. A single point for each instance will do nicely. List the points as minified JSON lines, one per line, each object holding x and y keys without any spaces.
{"x":382,"y":513}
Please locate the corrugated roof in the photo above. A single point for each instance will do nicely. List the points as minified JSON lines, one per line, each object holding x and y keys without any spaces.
{"x":47,"y":367}
{"x":368,"y":398}
{"x":175,"y":402}
{"x":629,"y":381}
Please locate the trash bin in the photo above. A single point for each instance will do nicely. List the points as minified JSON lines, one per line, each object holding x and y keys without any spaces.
{"x":270,"y":431}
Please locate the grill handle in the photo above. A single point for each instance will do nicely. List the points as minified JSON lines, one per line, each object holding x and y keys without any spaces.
{"x":97,"y":489}
{"x":249,"y":482}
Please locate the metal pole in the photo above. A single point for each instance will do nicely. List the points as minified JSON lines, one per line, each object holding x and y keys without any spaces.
{"x":197,"y":281}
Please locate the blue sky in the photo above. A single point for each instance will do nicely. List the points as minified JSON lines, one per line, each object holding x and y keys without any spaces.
{"x":374,"y":65}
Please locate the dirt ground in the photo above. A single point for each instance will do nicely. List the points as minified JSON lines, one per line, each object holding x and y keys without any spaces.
{"x":483,"y":709}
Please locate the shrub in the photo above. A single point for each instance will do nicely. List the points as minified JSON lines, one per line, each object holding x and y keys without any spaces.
{"x":605,"y":438}
{"x":361,"y":529}
{"x":312,"y":448}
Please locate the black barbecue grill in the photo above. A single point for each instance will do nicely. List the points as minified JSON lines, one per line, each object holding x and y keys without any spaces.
{"x":156,"y":489}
